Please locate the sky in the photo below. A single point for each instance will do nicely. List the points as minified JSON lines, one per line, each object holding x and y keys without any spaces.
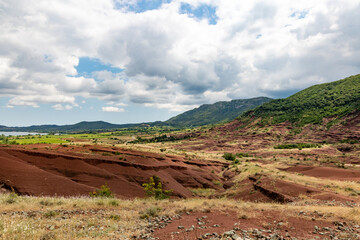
{"x":131,"y":61}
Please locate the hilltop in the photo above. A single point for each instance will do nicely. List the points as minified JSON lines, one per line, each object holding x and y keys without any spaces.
{"x":331,"y":101}
{"x":215,"y":113}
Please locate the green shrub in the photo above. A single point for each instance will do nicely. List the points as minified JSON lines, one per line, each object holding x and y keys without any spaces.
{"x":50,"y":214}
{"x":104,"y":192}
{"x":218,"y":183}
{"x":229,"y":156}
{"x":162,"y":138}
{"x":154,"y":188}
{"x":150,"y":212}
{"x":113,"y":203}
{"x":350,"y":141}
{"x":115,"y":217}
{"x":12,"y":198}
{"x":240,"y":155}
{"x":46,"y":203}
{"x":297,"y":145}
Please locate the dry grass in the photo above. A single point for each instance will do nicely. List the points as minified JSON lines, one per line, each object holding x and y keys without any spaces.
{"x":346,"y":188}
{"x":68,"y":218}
{"x":174,"y":148}
{"x":202,"y":192}
{"x":88,"y":218}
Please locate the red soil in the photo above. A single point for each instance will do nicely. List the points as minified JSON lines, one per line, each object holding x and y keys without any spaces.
{"x":327,"y":196}
{"x":247,"y":192}
{"x":286,"y":191}
{"x":66,"y":172}
{"x":326,"y":172}
{"x":301,"y":227}
{"x":225,"y":221}
{"x":260,"y":188}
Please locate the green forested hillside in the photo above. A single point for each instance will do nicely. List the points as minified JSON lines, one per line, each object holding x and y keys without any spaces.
{"x":312,"y":105}
{"x":215,"y":113}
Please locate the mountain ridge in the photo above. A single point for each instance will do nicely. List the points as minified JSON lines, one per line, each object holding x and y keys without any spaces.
{"x":332,"y":100}
{"x":219,"y":112}
{"x":216,"y":113}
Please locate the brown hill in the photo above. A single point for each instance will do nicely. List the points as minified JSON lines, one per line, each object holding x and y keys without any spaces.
{"x":41,"y":172}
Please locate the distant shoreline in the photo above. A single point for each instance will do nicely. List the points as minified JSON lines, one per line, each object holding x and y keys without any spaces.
{"x":12,"y":133}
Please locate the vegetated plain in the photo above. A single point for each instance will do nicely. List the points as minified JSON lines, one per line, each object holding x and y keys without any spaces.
{"x":273,"y":172}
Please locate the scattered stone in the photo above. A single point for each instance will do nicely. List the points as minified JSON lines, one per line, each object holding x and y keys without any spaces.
{"x":192,"y":228}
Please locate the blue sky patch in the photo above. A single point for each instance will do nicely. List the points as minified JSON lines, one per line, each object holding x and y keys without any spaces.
{"x":201,"y":12}
{"x":299,"y":14}
{"x":47,"y":59}
{"x":143,"y":5}
{"x":88,"y":65}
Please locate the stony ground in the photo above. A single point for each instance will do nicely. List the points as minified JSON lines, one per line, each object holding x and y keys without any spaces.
{"x":97,"y":218}
{"x":213,"y":226}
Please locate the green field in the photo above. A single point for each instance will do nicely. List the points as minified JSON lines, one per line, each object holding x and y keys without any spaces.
{"x":116,"y":137}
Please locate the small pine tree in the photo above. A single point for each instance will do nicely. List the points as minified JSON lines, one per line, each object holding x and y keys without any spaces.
{"x":154,"y":188}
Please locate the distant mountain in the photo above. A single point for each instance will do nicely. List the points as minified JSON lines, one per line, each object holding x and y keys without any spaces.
{"x":332,"y":100}
{"x":90,"y":126}
{"x":205,"y":114}
{"x":215,"y":113}
{"x":78,"y":127}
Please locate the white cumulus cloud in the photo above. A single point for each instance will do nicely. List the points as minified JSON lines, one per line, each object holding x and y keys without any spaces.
{"x":172,"y":59}
{"x":112,"y":109}
{"x":60,"y":107}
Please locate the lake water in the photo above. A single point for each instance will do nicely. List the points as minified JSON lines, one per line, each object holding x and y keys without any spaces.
{"x":20,"y":133}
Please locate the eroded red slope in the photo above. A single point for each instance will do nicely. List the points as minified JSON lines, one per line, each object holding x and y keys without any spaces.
{"x":39,"y":172}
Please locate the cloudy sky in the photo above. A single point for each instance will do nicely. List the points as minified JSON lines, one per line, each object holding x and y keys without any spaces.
{"x":137,"y":60}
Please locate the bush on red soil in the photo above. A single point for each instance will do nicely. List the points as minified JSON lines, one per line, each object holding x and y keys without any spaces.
{"x":154,"y":189}
{"x":104,"y":192}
